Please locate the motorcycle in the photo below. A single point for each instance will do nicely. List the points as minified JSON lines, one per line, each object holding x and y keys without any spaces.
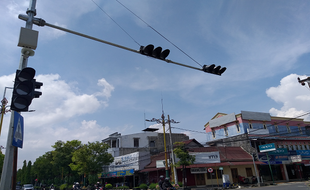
{"x":243,"y":180}
{"x":254,"y":179}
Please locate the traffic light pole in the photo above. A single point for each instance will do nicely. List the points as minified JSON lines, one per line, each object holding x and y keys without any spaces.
{"x":7,"y":171}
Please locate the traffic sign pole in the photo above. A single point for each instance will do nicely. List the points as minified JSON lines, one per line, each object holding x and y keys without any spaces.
{"x":7,"y":170}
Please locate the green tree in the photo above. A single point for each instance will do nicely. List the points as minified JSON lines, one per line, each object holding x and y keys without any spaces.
{"x":24,"y":168}
{"x":62,"y":157}
{"x":43,"y":168}
{"x":185,"y":159}
{"x":1,"y":162}
{"x":90,"y":158}
{"x":28,"y":173}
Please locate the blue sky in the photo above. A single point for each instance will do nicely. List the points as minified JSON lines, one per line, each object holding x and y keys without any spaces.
{"x":92,"y":89}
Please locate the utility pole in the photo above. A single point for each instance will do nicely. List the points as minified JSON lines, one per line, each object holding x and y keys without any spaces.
{"x":172,"y":154}
{"x":7,"y":171}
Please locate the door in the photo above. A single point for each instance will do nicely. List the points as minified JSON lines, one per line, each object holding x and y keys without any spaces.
{"x":200,"y":179}
{"x":234,"y":175}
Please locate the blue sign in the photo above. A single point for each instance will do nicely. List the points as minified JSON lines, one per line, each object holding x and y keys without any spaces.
{"x":279,"y":151}
{"x":118,"y":173}
{"x":18,"y":130}
{"x":267,"y":147}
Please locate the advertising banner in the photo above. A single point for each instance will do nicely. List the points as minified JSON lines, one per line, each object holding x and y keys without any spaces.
{"x":118,"y":173}
{"x":126,"y":162}
{"x":206,"y":157}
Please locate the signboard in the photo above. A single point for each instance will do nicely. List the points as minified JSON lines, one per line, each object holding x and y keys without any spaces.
{"x":162,"y":163}
{"x":210,"y":170}
{"x":267,"y":147}
{"x":295,"y":158}
{"x":206,"y":157}
{"x":220,"y":168}
{"x":118,"y":173}
{"x":279,"y":151}
{"x":199,"y":170}
{"x":130,"y":161}
{"x":18,"y":130}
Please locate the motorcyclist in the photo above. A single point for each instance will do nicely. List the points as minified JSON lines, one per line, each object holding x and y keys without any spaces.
{"x":97,"y":185}
{"x":161,"y":181}
{"x":77,"y":186}
{"x":52,"y":187}
{"x":167,"y":185}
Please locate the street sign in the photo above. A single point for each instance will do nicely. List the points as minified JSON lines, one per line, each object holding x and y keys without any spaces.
{"x":220,"y":168}
{"x":267,"y":147}
{"x":210,"y":170}
{"x":18,"y":130}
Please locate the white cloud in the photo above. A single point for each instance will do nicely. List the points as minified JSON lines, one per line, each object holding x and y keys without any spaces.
{"x":293,"y":97}
{"x":56,"y":115}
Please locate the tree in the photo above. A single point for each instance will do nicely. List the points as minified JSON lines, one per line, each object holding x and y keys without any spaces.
{"x":186,"y":159}
{"x":1,"y":162}
{"x":24,"y":168}
{"x":28,"y":173}
{"x":90,"y":158}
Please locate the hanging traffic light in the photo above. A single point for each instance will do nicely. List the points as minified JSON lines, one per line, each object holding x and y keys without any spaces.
{"x":24,"y":89}
{"x":214,"y":70}
{"x":156,"y":53}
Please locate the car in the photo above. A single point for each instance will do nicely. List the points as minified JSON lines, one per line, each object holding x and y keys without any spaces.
{"x":18,"y":187}
{"x":27,"y":187}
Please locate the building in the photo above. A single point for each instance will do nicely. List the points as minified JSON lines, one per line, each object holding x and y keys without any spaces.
{"x":131,"y":153}
{"x":249,"y":130}
{"x":145,"y":141}
{"x":232,"y":161}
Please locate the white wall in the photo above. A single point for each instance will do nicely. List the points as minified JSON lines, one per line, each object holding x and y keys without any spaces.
{"x":127,"y":140}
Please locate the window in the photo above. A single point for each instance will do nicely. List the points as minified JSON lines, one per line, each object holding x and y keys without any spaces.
{"x":219,"y":174}
{"x":276,"y":128}
{"x":135,"y":142}
{"x":288,"y":128}
{"x":238,"y":127}
{"x":299,"y":129}
{"x":226,"y":131}
{"x":250,"y":126}
{"x":249,"y":172}
{"x":213,"y":133}
{"x":264,"y":126}
{"x":152,"y":143}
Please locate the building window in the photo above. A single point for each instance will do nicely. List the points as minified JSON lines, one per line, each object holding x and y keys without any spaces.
{"x":213,"y":133}
{"x":136,"y":142}
{"x":299,"y":129}
{"x":264,"y":126}
{"x":250,"y":126}
{"x":152,"y":143}
{"x":288,"y":128}
{"x":249,"y":172}
{"x":226,"y":131}
{"x":276,"y":128}
{"x":238,"y":127}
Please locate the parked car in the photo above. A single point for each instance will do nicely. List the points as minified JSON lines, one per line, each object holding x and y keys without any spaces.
{"x":28,"y":187}
{"x":18,"y":187}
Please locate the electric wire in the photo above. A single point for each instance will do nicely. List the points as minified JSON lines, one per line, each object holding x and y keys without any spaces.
{"x":116,"y":23}
{"x":160,"y":34}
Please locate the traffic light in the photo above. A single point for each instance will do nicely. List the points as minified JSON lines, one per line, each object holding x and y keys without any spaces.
{"x":214,"y":70}
{"x":156,"y":53}
{"x":24,"y":89}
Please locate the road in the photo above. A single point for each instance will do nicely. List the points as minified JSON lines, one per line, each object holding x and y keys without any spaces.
{"x":284,"y":186}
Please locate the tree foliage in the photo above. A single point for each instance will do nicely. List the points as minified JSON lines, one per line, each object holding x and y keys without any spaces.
{"x":1,"y":162}
{"x":182,"y":153}
{"x":90,"y":158}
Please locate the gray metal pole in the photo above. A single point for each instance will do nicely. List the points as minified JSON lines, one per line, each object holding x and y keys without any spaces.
{"x":7,"y":171}
{"x":173,"y":159}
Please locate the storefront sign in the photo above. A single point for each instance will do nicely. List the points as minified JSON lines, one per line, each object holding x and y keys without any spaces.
{"x":199,"y":170}
{"x":136,"y":161}
{"x":206,"y":157}
{"x":162,"y":163}
{"x":295,"y":158}
{"x":267,"y":147}
{"x":118,"y":173}
{"x":279,"y":151}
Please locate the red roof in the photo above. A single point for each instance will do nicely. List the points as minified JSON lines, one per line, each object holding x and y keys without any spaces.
{"x":228,"y":156}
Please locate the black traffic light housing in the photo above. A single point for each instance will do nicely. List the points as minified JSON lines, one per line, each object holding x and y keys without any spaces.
{"x":218,"y":70}
{"x":156,"y":53}
{"x":24,"y":89}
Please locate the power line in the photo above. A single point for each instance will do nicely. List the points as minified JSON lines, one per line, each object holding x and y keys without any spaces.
{"x":160,"y":34}
{"x":115,"y":22}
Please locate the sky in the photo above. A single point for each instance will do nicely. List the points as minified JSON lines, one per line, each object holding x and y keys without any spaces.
{"x":91,"y":89}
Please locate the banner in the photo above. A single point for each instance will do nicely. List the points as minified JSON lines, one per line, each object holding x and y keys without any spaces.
{"x":206,"y":157}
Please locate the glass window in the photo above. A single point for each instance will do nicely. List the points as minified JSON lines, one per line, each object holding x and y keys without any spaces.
{"x":136,"y":142}
{"x":238,"y":127}
{"x":288,"y":128}
{"x":213,"y":133}
{"x":152,"y":143}
{"x":264,"y":126}
{"x":276,"y":128}
{"x":226,"y":131}
{"x":250,"y":126}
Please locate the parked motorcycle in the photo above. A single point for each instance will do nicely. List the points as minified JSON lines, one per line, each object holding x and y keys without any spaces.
{"x":243,"y":180}
{"x":254,"y":179}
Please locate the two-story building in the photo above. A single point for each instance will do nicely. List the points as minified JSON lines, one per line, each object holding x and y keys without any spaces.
{"x":251,"y":129}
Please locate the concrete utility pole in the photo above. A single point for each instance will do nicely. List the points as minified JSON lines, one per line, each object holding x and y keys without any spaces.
{"x":175,"y":174}
{"x":7,"y":171}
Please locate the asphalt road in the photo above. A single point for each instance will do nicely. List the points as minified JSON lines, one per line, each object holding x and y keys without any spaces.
{"x":284,"y":186}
